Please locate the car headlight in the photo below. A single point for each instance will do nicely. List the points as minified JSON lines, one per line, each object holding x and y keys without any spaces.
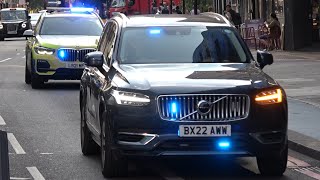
{"x":43,"y":50}
{"x":130,"y":98}
{"x":269,"y":97}
{"x":1,"y":26}
{"x":24,"y":25}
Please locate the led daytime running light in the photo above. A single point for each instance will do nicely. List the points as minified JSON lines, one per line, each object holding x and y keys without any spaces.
{"x":129,"y":98}
{"x":269,"y":97}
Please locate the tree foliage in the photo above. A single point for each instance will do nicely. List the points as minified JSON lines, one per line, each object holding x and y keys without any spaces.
{"x":36,"y":4}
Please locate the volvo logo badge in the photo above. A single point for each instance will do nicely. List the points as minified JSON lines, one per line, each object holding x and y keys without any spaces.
{"x":203,"y":107}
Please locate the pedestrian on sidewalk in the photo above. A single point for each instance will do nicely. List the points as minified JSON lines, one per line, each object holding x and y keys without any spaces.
{"x":178,"y":11}
{"x":274,"y":32}
{"x":165,"y":9}
{"x":233,"y":16}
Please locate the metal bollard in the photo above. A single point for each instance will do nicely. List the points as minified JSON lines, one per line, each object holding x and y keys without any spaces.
{"x":4,"y":156}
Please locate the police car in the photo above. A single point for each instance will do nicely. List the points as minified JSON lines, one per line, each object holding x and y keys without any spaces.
{"x":13,"y":22}
{"x":58,"y":44}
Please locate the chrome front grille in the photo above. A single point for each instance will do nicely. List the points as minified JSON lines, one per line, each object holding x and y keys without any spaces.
{"x":75,"y":54}
{"x":223,"y":107}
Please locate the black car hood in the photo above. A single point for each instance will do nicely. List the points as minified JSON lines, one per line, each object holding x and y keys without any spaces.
{"x":192,"y":78}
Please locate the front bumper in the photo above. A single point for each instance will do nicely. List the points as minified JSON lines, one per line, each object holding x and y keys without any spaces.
{"x":139,"y":131}
{"x":49,"y":67}
{"x":19,"y":33}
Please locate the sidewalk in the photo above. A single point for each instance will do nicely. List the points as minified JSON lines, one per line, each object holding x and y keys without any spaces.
{"x":304,"y":128}
{"x":304,"y":118}
{"x":312,"y":52}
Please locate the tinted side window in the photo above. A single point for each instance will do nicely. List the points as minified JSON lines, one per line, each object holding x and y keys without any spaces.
{"x":103,"y":38}
{"x":111,"y":36}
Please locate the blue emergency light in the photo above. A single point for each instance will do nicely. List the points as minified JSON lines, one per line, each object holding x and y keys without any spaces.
{"x":154,"y":31}
{"x":80,"y":9}
{"x":224,"y":144}
{"x":173,"y":107}
{"x":61,"y":54}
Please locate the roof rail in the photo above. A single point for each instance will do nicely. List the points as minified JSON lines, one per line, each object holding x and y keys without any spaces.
{"x":69,"y":9}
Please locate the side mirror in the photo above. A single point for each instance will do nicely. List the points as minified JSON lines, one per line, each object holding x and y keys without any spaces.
{"x":28,"y":33}
{"x":29,"y":17}
{"x":264,"y":58}
{"x":94,"y":59}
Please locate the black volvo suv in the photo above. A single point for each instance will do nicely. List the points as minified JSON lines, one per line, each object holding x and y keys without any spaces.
{"x":13,"y":22}
{"x":180,"y":86}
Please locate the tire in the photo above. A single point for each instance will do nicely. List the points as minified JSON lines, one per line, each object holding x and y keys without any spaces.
{"x":36,"y":82}
{"x":275,"y":165}
{"x":27,"y":75}
{"x":114,"y":164}
{"x":88,"y":146}
{"x":1,"y":38}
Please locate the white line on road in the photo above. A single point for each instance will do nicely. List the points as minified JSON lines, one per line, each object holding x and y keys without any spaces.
{"x":35,"y":173}
{"x":18,"y":54}
{"x":5,"y":60}
{"x":15,"y":144}
{"x":293,"y":80}
{"x":17,"y":178}
{"x":46,"y":153}
{"x":2,"y":123}
{"x":23,"y":57}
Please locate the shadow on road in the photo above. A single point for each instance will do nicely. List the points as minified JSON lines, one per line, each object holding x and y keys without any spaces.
{"x":61,"y":86}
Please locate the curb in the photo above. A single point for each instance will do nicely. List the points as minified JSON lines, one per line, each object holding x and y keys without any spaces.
{"x":304,"y":144}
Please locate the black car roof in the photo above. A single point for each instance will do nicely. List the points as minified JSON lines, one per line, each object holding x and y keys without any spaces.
{"x":204,"y":19}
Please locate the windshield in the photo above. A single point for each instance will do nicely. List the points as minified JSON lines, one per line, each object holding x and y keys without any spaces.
{"x":35,"y":17}
{"x":118,"y":3}
{"x":147,"y":45}
{"x":14,"y":15}
{"x":71,"y":26}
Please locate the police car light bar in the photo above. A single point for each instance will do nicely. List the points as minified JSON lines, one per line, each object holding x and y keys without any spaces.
{"x":80,"y":9}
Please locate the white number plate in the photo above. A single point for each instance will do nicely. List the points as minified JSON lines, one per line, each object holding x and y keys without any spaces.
{"x":204,"y":130}
{"x":75,"y":65}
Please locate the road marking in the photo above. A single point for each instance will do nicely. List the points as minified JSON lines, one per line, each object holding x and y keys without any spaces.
{"x":304,"y":91}
{"x":295,"y":80}
{"x":17,"y":178}
{"x":18,"y":54}
{"x":23,"y":57}
{"x":309,"y":173}
{"x":46,"y":153}
{"x":15,"y":144}
{"x":5,"y":60}
{"x":297,"y":162}
{"x":2,"y":123}
{"x":12,"y":66}
{"x":35,"y":173}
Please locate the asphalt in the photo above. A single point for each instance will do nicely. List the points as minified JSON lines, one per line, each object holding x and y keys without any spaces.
{"x":45,"y":124}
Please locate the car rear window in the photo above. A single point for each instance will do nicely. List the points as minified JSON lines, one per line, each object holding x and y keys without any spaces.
{"x":144,"y":45}
{"x":71,"y":26}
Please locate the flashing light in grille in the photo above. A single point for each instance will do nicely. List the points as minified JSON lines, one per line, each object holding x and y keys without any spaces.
{"x":62,"y":54}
